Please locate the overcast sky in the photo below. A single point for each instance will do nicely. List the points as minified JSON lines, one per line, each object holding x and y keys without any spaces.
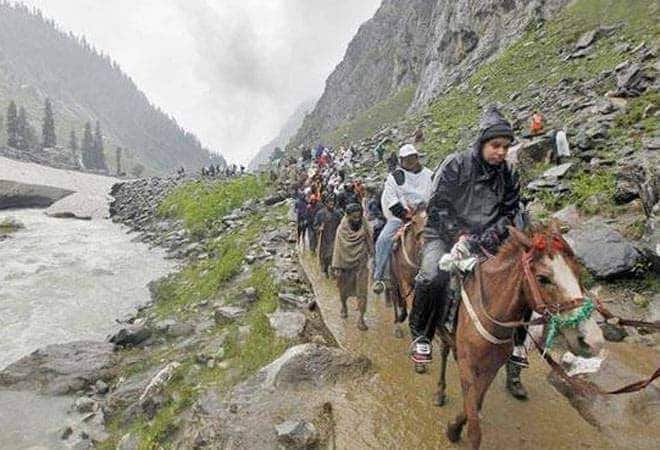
{"x":230,"y":71}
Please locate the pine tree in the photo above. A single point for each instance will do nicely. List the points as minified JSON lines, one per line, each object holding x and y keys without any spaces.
{"x":48,"y":138}
{"x":98,"y":148}
{"x":87,"y":148}
{"x":12,"y":125}
{"x":118,"y":156}
{"x":73,"y":145}
{"x":22,"y":130}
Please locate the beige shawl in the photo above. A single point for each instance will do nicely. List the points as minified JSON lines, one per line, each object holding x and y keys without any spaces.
{"x":352,"y":248}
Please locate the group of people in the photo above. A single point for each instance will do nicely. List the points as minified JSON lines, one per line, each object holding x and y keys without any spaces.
{"x":471,"y":198}
{"x":215,"y":171}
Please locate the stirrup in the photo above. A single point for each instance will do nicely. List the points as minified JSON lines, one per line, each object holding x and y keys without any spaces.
{"x":378,"y":287}
{"x":519,"y":361}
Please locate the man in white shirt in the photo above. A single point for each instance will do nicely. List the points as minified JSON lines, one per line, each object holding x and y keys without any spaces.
{"x":405,"y":188}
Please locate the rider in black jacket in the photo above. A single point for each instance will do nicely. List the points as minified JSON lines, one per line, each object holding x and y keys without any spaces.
{"x":475,"y":196}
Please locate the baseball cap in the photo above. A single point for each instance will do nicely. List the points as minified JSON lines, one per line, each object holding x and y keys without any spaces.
{"x":407,"y":150}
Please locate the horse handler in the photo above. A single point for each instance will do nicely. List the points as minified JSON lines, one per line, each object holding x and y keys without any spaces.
{"x":353,"y":247}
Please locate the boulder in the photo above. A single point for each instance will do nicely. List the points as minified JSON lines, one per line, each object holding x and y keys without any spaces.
{"x":62,"y":368}
{"x":558,"y":171}
{"x":569,"y":215}
{"x":536,"y":150}
{"x":297,"y":435}
{"x":603,"y":250}
{"x":287,"y":325}
{"x":612,"y":332}
{"x":224,"y":315}
{"x":131,"y":335}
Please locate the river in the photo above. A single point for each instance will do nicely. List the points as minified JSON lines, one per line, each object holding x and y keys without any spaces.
{"x":63,"y":280}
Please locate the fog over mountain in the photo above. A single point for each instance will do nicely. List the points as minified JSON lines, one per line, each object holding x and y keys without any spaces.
{"x":230,"y":71}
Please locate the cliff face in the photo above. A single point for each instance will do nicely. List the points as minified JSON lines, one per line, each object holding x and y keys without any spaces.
{"x":427,"y":44}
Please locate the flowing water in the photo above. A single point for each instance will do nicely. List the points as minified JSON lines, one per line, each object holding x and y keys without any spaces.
{"x":394,"y":409}
{"x":65,"y":279}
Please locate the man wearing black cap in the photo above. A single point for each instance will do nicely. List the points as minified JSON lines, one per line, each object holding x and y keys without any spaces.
{"x":475,"y":196}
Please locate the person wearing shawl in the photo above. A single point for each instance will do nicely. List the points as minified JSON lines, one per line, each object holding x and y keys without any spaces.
{"x":353,"y":247}
{"x":326,"y":222}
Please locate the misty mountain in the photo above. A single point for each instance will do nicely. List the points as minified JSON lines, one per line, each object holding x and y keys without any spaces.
{"x":409,"y":52}
{"x":39,"y":61}
{"x":287,"y":131}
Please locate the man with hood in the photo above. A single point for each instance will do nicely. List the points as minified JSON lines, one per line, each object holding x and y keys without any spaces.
{"x":353,"y":247}
{"x":475,"y":196}
{"x":326,"y":222}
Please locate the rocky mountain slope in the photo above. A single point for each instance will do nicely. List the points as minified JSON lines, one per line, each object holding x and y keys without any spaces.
{"x":592,"y":71}
{"x":411,"y":51}
{"x":287,"y":131}
{"x":38,"y":60}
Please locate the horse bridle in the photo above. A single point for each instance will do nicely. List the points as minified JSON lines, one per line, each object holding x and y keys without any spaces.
{"x":539,"y":305}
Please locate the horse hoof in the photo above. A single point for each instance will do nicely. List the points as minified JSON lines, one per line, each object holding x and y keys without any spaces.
{"x":420,"y":368}
{"x":398,"y":333}
{"x":439,"y":399}
{"x":453,"y":433}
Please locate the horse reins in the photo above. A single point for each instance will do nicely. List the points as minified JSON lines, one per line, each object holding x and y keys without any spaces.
{"x":546,"y":310}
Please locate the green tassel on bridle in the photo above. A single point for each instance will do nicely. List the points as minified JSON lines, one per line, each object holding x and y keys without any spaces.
{"x":558,"y":322}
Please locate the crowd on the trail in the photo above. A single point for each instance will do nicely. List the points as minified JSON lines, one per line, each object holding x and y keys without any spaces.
{"x":471,"y":198}
{"x":215,"y":171}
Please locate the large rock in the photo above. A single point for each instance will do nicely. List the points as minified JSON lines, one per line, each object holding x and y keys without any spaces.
{"x":62,"y":368}
{"x":603,"y":251}
{"x":131,"y":335}
{"x":287,"y":324}
{"x":297,"y":435}
{"x":23,"y":195}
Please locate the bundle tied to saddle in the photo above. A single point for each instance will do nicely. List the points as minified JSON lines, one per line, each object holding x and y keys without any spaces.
{"x":351,"y":247}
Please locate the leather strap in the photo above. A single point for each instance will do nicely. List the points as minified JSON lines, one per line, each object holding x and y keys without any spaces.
{"x":477,"y":323}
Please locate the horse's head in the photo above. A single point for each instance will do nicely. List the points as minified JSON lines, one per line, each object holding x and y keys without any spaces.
{"x":552,"y":285}
{"x":418,"y":219}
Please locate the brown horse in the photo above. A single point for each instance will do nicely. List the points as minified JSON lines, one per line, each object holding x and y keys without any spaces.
{"x":404,"y":266}
{"x":530,"y":272}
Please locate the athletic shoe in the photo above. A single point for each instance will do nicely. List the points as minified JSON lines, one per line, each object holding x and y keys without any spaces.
{"x":422,"y":351}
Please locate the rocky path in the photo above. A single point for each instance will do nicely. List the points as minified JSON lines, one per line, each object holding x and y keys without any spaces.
{"x":394,"y":408}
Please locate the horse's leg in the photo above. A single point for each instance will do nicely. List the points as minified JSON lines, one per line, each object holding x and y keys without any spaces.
{"x":474,"y":392}
{"x":440,"y":396}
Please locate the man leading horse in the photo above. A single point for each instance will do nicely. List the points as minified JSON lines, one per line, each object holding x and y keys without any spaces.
{"x":475,"y":196}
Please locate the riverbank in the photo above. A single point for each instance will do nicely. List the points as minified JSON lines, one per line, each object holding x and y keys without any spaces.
{"x":191,"y":368}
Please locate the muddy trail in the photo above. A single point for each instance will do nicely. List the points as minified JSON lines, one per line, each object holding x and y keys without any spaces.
{"x":394,"y":408}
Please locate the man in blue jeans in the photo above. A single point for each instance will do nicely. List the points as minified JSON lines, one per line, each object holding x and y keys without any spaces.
{"x":406,"y":187}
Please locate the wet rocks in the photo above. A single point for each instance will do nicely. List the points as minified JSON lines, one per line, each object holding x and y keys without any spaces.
{"x":569,"y":216}
{"x":603,"y":250}
{"x":312,"y":364}
{"x":632,"y":81}
{"x":287,"y":324}
{"x":61,"y":369}
{"x":224,"y":315}
{"x":131,"y":335}
{"x":297,"y":435}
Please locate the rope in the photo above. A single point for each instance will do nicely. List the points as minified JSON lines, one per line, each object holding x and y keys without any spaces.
{"x":558,"y":322}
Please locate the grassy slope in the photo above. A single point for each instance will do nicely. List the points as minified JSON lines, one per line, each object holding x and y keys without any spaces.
{"x":177,"y":296}
{"x":534,"y":61}
{"x":371,"y":121}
